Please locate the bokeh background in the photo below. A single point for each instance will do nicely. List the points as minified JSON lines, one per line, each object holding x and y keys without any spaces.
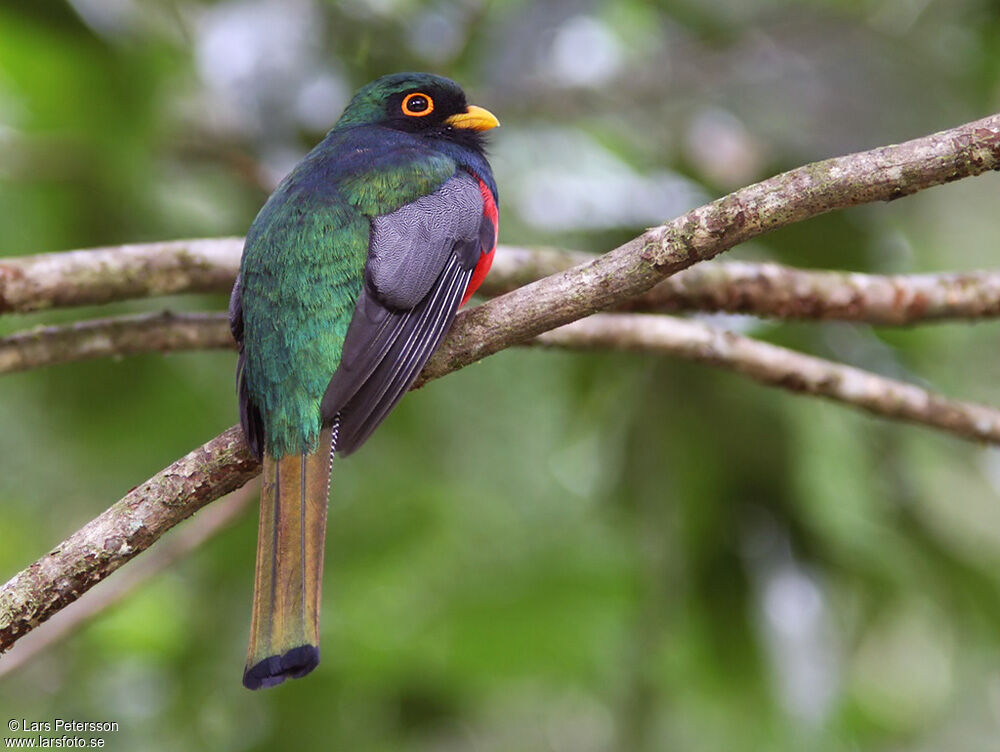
{"x":545,"y":551}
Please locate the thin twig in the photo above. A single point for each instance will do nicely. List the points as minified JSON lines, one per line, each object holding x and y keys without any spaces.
{"x":114,"y":337}
{"x":778,"y":366}
{"x":690,"y":340}
{"x":224,"y":463}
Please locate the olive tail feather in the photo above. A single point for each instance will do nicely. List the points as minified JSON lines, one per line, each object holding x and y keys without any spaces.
{"x":284,"y":627}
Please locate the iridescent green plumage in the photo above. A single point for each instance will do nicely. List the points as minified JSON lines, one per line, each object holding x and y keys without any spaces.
{"x":367,"y":247}
{"x":303,"y":267}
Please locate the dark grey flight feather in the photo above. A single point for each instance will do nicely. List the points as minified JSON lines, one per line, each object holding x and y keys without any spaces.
{"x":421,"y":258}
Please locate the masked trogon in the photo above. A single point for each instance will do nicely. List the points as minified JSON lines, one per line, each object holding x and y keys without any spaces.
{"x":351,"y":274}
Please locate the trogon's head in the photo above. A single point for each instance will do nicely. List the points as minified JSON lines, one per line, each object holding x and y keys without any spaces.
{"x":419,"y":103}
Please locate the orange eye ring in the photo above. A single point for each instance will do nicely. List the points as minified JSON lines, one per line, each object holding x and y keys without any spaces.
{"x":413,"y":102}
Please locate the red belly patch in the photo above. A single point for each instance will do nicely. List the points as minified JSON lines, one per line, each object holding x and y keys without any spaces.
{"x":492,"y":215}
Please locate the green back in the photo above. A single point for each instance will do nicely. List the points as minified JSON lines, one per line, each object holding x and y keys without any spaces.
{"x":303,"y":268}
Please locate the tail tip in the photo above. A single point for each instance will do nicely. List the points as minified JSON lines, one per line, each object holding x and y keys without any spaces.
{"x":274,"y":669}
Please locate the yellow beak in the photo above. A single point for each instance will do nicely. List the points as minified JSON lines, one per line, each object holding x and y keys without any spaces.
{"x":474,"y":118}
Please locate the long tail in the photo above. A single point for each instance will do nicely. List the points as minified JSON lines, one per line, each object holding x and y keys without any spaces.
{"x":284,"y":629}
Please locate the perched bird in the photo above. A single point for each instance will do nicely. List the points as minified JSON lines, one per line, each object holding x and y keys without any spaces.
{"x":351,"y":274}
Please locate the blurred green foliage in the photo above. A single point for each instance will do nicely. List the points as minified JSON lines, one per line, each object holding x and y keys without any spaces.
{"x":544,"y":551}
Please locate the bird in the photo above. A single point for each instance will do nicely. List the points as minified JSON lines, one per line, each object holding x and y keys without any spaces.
{"x":351,"y":274}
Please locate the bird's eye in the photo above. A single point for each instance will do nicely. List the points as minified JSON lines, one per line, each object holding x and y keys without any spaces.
{"x":417,"y":105}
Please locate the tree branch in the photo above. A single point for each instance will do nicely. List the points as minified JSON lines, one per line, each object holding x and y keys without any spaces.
{"x":665,"y":335}
{"x":102,"y":275}
{"x":125,"y":529}
{"x":882,"y":174}
{"x":773,"y":290}
{"x":764,"y":289}
{"x":778,"y":366}
{"x":135,"y":522}
{"x":110,"y":592}
{"x":114,"y":337}
{"x":761,"y":289}
{"x":224,"y":463}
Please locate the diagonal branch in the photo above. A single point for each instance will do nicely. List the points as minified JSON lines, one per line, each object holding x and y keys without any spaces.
{"x":136,"y":521}
{"x":224,"y":463}
{"x":881,"y":174}
{"x":108,"y":593}
{"x":126,"y":528}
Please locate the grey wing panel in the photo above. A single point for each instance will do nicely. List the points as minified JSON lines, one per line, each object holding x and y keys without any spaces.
{"x":409,"y":247}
